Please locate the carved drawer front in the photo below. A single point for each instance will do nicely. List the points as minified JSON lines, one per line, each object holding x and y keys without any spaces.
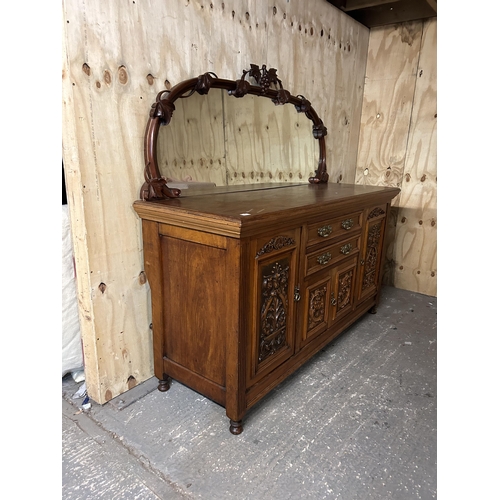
{"x":346,"y":225}
{"x":331,"y":254}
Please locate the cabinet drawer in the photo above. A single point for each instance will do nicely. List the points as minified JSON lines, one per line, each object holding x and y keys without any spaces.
{"x":331,"y":254}
{"x":333,"y":228}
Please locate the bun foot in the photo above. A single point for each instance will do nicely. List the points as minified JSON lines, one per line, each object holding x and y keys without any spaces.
{"x":164,"y":385}
{"x":373,"y":310}
{"x":236,"y":427}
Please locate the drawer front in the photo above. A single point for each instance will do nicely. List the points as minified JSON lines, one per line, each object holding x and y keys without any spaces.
{"x":331,"y":254}
{"x":330,"y":229}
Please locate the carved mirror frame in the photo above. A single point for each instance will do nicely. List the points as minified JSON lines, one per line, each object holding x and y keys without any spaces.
{"x":155,"y":185}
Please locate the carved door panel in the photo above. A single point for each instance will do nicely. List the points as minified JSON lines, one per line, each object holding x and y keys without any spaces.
{"x":315,"y":310}
{"x":343,"y":294}
{"x":371,"y":252}
{"x":271,"y":329}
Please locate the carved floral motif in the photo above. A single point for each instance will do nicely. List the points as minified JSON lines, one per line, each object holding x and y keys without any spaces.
{"x":375,"y":213}
{"x":317,"y":303}
{"x":274,"y":309}
{"x":345,"y":289}
{"x":371,"y":256}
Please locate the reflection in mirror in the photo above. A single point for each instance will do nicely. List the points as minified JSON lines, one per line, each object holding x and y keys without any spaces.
{"x":224,"y":140}
{"x":267,"y":143}
{"x":191,"y":146}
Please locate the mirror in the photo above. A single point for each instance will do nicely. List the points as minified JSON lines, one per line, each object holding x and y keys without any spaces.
{"x":222,"y":132}
{"x":223,"y":140}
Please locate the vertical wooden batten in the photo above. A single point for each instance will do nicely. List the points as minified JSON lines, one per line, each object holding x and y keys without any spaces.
{"x":117,"y":56}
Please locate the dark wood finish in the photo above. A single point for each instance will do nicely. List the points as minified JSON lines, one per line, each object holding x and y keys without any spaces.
{"x":240,"y":301}
{"x":155,"y":185}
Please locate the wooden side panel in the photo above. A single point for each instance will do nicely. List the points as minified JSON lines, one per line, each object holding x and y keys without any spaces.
{"x":117,"y":57}
{"x":397,"y":146}
{"x":415,"y":247}
{"x":194,"y":337}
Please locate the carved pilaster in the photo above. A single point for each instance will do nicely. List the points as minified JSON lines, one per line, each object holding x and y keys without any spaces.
{"x":371,"y":259}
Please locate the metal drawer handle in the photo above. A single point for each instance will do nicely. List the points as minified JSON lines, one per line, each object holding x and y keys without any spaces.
{"x":325,"y":231}
{"x":347,"y":224}
{"x":325,"y":258}
{"x":333,"y":300}
{"x":296,"y":294}
{"x":346,"y":248}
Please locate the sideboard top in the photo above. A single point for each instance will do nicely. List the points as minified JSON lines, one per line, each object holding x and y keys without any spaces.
{"x":254,"y":206}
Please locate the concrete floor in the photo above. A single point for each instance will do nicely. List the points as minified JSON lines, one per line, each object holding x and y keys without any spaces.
{"x":358,"y":421}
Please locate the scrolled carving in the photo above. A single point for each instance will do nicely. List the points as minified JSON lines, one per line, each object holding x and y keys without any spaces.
{"x":275,"y":244}
{"x":157,"y":189}
{"x":205,"y":82}
{"x":320,"y":177}
{"x":303,"y":106}
{"x":319,"y":131}
{"x":375,"y":213}
{"x":282,"y":97}
{"x":241,"y":89}
{"x":162,"y":110}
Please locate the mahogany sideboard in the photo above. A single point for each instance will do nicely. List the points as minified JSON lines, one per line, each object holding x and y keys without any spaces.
{"x":249,"y":282}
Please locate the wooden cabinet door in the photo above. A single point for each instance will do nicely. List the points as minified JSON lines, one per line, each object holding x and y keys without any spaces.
{"x":343,"y":296}
{"x":315,"y":311}
{"x":371,"y":252}
{"x":326,"y":297}
{"x":273,"y":278}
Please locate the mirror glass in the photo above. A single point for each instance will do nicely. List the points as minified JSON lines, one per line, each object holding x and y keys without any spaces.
{"x":224,"y":140}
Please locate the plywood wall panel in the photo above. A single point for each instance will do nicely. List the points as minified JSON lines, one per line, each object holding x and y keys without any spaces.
{"x":415,"y":247}
{"x":117,"y":56}
{"x":397,"y":146}
{"x":326,"y":53}
{"x":388,"y":98}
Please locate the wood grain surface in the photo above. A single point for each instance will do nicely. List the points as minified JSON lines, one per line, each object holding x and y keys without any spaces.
{"x":397,"y":146}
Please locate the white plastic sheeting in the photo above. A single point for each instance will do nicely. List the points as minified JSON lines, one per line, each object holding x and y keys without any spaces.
{"x":72,"y":355}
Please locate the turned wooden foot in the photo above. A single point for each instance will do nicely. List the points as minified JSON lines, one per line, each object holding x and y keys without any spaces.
{"x":373,"y":310}
{"x":164,"y":385}
{"x":236,"y":427}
